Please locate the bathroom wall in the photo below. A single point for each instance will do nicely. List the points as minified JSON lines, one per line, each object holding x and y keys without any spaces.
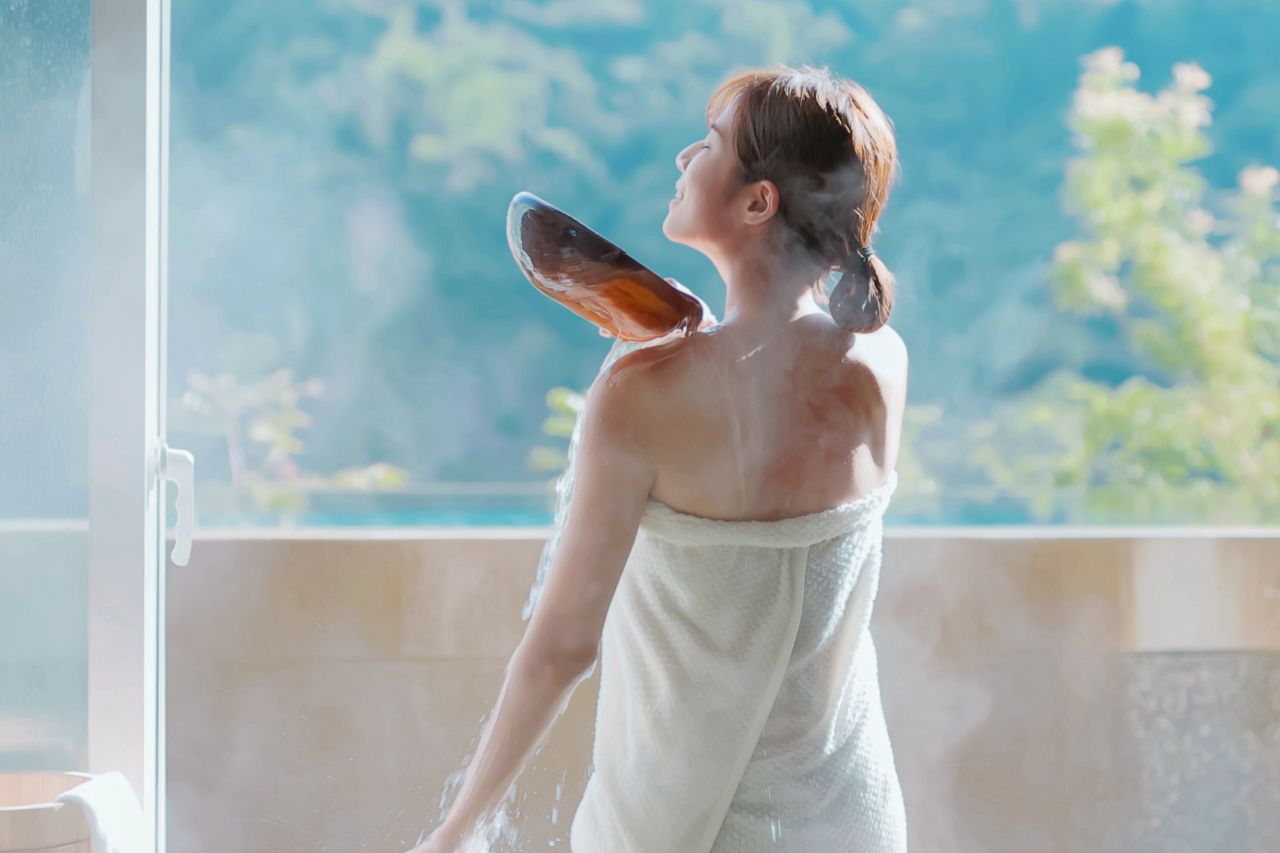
{"x":1101,"y":691}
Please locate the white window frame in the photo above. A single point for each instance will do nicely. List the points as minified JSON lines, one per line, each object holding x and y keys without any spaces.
{"x":129,"y":62}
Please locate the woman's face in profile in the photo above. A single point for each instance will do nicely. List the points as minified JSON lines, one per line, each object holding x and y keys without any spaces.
{"x":698,"y":215}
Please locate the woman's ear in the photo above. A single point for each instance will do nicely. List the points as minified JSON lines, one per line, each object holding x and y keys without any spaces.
{"x":763,"y":201}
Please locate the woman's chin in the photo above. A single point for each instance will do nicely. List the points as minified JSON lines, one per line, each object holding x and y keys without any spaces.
{"x":670,"y":229}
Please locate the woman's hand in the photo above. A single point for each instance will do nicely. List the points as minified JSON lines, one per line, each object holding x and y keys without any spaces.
{"x":441,"y":840}
{"x":708,"y":317}
{"x":430,"y":845}
{"x":427,"y":847}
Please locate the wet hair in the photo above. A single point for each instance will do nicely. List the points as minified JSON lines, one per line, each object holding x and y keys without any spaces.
{"x":830,"y":150}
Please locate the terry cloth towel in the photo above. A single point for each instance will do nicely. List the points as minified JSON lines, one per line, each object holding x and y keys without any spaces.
{"x":113,"y":812}
{"x":739,"y":706}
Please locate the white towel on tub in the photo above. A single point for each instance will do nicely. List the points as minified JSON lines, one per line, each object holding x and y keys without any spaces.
{"x":116,"y":822}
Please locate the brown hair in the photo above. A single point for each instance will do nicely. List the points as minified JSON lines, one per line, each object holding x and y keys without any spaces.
{"x":830,"y":150}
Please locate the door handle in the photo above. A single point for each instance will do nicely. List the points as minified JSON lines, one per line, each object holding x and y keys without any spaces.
{"x":178,"y":467}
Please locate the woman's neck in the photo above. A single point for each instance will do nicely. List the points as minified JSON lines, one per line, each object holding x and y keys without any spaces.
{"x":760,"y":295}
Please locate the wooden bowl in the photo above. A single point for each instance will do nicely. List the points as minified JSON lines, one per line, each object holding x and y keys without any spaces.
{"x":593,"y":277}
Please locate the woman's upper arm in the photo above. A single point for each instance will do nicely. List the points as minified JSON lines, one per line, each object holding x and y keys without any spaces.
{"x":614,"y":472}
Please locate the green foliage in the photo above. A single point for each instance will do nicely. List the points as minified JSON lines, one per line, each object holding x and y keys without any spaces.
{"x":341,"y":172}
{"x":259,"y":421}
{"x":1191,"y":278}
{"x":565,"y":405}
{"x":478,"y":95}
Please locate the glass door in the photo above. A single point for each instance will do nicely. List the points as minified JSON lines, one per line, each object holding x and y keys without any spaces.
{"x":45,"y":224}
{"x":81,"y":433}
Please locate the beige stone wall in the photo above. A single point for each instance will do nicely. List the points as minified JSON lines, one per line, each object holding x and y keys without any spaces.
{"x":321,"y":688}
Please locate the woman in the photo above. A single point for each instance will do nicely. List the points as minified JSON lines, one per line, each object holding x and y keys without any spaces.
{"x":740,"y":475}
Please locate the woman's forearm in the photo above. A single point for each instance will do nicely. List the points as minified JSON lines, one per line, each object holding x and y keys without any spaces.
{"x":531,"y":697}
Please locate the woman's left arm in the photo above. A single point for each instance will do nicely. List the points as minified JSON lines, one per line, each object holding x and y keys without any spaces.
{"x":614,"y":471}
{"x":531,"y":694}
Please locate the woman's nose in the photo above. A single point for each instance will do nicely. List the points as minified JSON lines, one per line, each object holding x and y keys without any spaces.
{"x":682,"y":159}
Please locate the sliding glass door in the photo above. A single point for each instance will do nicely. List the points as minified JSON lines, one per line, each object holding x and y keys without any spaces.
{"x":82,"y":457}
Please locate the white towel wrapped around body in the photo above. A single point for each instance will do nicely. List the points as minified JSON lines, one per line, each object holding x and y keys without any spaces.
{"x":739,"y":705}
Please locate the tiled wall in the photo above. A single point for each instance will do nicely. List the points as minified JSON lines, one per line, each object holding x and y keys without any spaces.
{"x":321,"y":690}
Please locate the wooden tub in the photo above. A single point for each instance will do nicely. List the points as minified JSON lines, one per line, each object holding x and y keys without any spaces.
{"x":30,"y":822}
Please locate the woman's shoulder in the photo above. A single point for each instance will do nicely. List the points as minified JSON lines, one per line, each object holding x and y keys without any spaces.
{"x":884,"y":343}
{"x":663,"y":361}
{"x":689,"y":362}
{"x":880,"y":360}
{"x":885,"y":354}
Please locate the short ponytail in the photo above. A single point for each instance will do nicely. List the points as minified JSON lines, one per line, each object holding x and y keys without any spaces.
{"x":863,"y":298}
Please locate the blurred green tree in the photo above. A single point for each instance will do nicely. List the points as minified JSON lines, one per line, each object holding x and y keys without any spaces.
{"x":1190,"y":277}
{"x":259,"y":422}
{"x":342,"y":170}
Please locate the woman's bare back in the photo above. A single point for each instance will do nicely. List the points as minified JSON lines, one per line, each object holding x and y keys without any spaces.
{"x":767,"y":429}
